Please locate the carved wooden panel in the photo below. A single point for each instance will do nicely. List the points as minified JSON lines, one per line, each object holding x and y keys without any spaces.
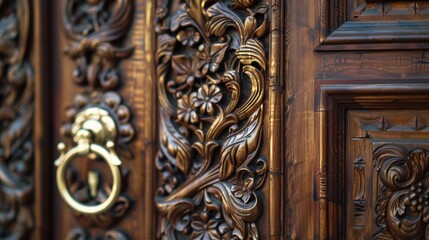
{"x":16,"y":121}
{"x":386,"y":174}
{"x":211,"y":70}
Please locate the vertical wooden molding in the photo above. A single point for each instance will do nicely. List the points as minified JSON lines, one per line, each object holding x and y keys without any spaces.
{"x":16,"y":121}
{"x":276,"y":121}
{"x":212,"y":73}
{"x":42,"y":62}
{"x":151,"y":128}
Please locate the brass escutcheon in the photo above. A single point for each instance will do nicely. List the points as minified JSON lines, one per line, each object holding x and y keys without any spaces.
{"x":94,"y":132}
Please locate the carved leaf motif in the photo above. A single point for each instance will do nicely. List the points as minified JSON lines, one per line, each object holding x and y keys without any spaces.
{"x":182,"y":20}
{"x":241,"y":145}
{"x":176,"y":147}
{"x":222,"y":18}
{"x":256,"y":95}
{"x":252,"y":51}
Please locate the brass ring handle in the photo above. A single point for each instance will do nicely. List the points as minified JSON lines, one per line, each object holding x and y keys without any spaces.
{"x":90,"y":124}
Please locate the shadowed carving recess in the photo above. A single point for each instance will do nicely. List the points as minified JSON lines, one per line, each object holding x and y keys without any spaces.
{"x":95,"y":27}
{"x":16,"y":121}
{"x":211,"y":64}
{"x":403,"y":203}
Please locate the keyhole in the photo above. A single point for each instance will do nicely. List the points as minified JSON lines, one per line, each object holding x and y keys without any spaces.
{"x":93,"y":182}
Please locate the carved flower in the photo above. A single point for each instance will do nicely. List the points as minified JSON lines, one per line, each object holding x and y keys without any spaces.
{"x":207,"y":95}
{"x":186,"y":113}
{"x":209,"y":58}
{"x":188,"y":37}
{"x":205,"y":228}
{"x":185,"y":69}
{"x":243,"y":190}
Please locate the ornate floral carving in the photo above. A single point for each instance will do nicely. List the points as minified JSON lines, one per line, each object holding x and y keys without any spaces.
{"x":16,"y":121}
{"x":403,"y":203}
{"x":211,"y":65}
{"x":95,"y":26}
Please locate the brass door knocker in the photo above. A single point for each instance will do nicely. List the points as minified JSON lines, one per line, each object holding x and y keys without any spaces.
{"x":94,"y":132}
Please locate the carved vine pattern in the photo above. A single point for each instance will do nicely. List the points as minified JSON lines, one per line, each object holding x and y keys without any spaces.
{"x":211,"y":64}
{"x":16,"y":121}
{"x":403,"y":204}
{"x":96,"y":29}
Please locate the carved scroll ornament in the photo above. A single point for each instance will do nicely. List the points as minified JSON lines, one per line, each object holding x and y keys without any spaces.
{"x":403,"y":204}
{"x":94,"y":26}
{"x":211,"y":64}
{"x":16,"y":121}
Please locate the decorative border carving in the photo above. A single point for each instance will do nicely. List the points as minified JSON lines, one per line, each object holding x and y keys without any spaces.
{"x":211,"y":66}
{"x":16,"y":121}
{"x":96,"y":29}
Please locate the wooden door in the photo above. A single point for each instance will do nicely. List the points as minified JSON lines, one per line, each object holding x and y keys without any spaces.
{"x":207,"y":119}
{"x":356,"y":133}
{"x":131,"y":119}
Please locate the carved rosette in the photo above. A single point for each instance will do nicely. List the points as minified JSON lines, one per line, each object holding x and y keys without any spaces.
{"x":403,"y":204}
{"x":96,"y":29}
{"x":16,"y":122}
{"x":211,"y":64}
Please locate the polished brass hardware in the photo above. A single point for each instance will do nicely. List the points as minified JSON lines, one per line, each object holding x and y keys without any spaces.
{"x":94,"y":131}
